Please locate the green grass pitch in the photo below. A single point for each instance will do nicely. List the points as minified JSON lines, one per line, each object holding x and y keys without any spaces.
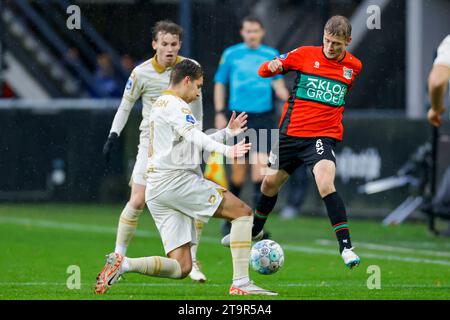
{"x":40,"y":241}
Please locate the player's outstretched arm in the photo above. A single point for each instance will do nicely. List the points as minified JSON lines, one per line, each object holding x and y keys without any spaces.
{"x":203,"y":141}
{"x":270,"y":68}
{"x":236,"y":125}
{"x":119,"y":122}
{"x":437,"y":86}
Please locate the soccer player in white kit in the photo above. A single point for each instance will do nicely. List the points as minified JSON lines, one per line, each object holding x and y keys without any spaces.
{"x":148,"y":81}
{"x":438,"y":81}
{"x":177,"y":193}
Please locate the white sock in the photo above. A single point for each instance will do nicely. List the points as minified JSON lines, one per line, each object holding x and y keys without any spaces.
{"x":125,"y":267}
{"x":240,"y":245}
{"x":127,"y":227}
{"x":241,"y":281}
{"x":198,"y":228}
{"x":153,"y":266}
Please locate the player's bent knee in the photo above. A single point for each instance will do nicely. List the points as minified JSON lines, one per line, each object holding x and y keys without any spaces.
{"x":246,"y":210}
{"x":137,"y":201}
{"x":269,"y":187}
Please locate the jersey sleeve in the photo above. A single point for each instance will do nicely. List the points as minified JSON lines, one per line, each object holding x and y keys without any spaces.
{"x":291,"y":60}
{"x":223,"y":72}
{"x":278,"y":76}
{"x":443,"y":53}
{"x":184,"y":123}
{"x":180,"y":117}
{"x":133,"y":88}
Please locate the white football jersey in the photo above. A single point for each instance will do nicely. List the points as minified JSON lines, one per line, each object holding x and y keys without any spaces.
{"x":443,"y":53}
{"x":169,"y":118}
{"x":149,"y":80}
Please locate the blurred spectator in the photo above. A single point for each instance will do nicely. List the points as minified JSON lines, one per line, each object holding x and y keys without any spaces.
{"x":72,"y":55}
{"x":105,"y":77}
{"x":128,"y":63}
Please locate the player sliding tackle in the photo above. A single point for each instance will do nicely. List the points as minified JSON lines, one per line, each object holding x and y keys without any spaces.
{"x":311,"y":126}
{"x":177,"y":193}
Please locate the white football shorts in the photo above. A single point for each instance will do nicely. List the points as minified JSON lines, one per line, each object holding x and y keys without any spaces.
{"x":174,"y":204}
{"x":139,"y":175}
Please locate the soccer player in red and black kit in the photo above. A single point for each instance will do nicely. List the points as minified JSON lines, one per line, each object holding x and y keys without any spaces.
{"x":311,"y":125}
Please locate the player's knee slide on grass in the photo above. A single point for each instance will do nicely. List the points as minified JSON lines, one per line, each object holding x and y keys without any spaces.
{"x":156,"y":266}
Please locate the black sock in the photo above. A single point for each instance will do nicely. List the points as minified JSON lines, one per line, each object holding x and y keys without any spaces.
{"x":256,"y":193}
{"x":263,"y":209}
{"x":235,"y":189}
{"x":338,"y":217}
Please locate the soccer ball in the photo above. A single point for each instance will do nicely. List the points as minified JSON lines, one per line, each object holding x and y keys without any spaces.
{"x":266,"y":257}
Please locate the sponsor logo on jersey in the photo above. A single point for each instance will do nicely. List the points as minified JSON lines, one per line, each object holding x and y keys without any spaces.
{"x":348,"y":73}
{"x":317,"y":64}
{"x":322,"y":90}
{"x":190,"y":119}
{"x":129,"y":84}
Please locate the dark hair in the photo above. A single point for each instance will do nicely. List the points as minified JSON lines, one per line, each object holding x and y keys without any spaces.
{"x":339,"y":26}
{"x":166,"y":26}
{"x":186,"y":68}
{"x":252,"y":19}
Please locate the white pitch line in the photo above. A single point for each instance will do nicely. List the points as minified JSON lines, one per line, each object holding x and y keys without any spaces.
{"x":368,"y":255}
{"x":311,"y":285}
{"x":110,"y":230}
{"x":381,"y":247}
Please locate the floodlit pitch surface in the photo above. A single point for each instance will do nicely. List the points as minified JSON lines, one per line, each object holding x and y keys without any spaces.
{"x":39,"y":242}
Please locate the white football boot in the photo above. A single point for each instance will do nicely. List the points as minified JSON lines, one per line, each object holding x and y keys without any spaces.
{"x":250,"y":289}
{"x":196,"y":275}
{"x":110,"y":273}
{"x":226,"y":240}
{"x":351,"y":260}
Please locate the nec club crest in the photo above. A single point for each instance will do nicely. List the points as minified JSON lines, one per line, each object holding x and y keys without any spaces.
{"x":348,"y":73}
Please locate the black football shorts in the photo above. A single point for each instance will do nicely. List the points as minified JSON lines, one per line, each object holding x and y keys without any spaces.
{"x":291,"y":152}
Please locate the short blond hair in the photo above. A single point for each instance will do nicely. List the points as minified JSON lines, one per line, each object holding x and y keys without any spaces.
{"x":339,"y":26}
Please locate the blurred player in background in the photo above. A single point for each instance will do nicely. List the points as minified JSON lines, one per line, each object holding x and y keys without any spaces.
{"x":238,"y":69}
{"x":177,"y":193}
{"x":311,"y":125}
{"x":148,"y":81}
{"x":438,"y":81}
